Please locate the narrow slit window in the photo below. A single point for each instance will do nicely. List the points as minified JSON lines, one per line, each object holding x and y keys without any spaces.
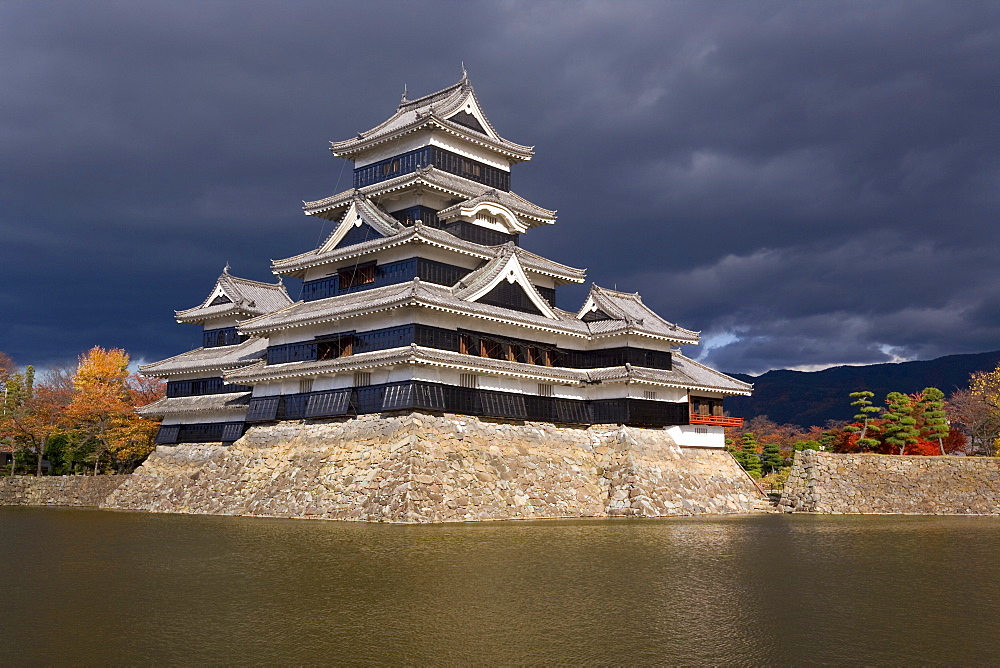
{"x":305,"y":385}
{"x":362,"y":378}
{"x":544,"y":390}
{"x":469,"y":380}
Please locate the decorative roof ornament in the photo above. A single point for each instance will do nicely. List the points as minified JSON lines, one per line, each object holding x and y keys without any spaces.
{"x":225,"y":270}
{"x":403,"y":99}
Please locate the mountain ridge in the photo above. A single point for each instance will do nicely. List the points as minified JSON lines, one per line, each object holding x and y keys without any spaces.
{"x":807,"y":398}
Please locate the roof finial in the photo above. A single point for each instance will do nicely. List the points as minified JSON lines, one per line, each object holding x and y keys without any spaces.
{"x":281,"y":281}
{"x":403,"y":100}
{"x":465,"y":75}
{"x":225,"y":270}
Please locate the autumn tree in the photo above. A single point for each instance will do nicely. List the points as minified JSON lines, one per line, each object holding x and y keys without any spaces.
{"x":39,"y":417}
{"x":900,"y":427}
{"x":18,"y":389}
{"x":7,"y":367}
{"x":980,"y":421}
{"x":103,"y":408}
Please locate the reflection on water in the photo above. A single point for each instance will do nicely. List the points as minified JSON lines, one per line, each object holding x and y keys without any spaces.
{"x":100,"y":587}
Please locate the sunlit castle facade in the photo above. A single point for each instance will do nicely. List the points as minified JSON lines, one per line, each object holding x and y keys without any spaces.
{"x":200,"y":406}
{"x":422,"y":299}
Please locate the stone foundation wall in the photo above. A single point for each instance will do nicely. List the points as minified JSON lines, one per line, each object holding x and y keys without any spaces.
{"x":58,"y":490}
{"x":823,"y":482}
{"x":439,"y":468}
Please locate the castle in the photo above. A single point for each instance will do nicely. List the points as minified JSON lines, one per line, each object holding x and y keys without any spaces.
{"x":422,"y":298}
{"x":422,"y":301}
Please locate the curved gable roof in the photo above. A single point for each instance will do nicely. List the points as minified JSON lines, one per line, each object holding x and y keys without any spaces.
{"x":235,"y":296}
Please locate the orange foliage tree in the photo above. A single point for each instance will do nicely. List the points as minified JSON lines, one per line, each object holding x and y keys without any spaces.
{"x":39,"y":417}
{"x":103,"y":408}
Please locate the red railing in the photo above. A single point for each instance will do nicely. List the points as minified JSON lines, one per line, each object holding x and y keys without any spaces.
{"x":717,"y":420}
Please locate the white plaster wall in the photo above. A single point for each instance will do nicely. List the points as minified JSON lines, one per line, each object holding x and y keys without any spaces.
{"x":635,"y":390}
{"x":220,"y":323}
{"x":206,"y":416}
{"x":395,"y":201}
{"x":701,"y":436}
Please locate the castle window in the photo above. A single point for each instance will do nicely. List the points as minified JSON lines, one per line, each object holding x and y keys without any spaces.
{"x":390,"y":167}
{"x":356,"y":275}
{"x":490,"y":348}
{"x":342,"y":346}
{"x":544,"y":390}
{"x":469,"y":380}
{"x":305,"y":385}
{"x":362,"y":378}
{"x":647,"y":394}
{"x":467,"y":345}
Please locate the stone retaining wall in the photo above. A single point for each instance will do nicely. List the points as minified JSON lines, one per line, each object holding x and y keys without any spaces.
{"x":58,"y":490}
{"x":823,"y":482}
{"x":438,"y":468}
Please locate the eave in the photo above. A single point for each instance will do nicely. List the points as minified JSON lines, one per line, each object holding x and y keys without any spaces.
{"x":351,"y":148}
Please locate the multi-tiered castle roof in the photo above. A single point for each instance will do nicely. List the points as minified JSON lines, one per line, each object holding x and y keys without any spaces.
{"x":421,"y":298}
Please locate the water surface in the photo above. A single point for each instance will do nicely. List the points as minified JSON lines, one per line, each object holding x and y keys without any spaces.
{"x":98,"y":587}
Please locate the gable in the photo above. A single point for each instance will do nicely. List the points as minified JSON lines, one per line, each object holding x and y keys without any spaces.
{"x":502,"y":282}
{"x":466,"y":119}
{"x":510,"y":295}
{"x":221,"y":299}
{"x":357,"y":226}
{"x":595,"y":315}
{"x":470,"y":115}
{"x":358,"y":235}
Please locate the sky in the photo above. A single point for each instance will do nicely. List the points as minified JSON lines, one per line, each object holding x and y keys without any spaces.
{"x":806,"y":183}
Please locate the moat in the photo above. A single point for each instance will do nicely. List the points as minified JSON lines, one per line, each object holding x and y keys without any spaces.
{"x":98,"y":587}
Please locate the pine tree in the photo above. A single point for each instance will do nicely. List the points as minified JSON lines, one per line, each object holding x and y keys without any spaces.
{"x":935,"y":421}
{"x":771,"y":458}
{"x":866,"y":412}
{"x":750,"y":457}
{"x":900,"y":428}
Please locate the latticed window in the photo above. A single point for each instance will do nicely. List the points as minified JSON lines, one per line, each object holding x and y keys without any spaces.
{"x":648,"y":394}
{"x":467,"y":345}
{"x":305,"y":385}
{"x":544,"y":390}
{"x":362,"y":378}
{"x":469,"y":380}
{"x":342,"y":346}
{"x":356,"y":275}
{"x":490,"y":348}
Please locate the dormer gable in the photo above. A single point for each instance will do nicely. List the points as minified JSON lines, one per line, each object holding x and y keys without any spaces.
{"x":236,"y":298}
{"x":500,"y":279}
{"x":468,"y":113}
{"x":362,"y":222}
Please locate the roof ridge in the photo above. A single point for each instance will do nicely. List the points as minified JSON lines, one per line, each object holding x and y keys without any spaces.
{"x":420,"y":101}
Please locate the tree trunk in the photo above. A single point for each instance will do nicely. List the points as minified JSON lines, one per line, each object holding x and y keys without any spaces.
{"x":41,"y":454}
{"x":97,"y":459}
{"x":941,"y":443}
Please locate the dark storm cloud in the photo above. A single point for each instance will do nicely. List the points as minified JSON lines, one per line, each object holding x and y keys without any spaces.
{"x":806,"y":183}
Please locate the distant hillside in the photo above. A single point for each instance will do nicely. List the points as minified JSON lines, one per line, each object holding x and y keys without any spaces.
{"x":810,"y":398}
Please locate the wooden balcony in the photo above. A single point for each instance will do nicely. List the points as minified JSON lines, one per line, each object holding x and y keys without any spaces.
{"x":718,"y":420}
